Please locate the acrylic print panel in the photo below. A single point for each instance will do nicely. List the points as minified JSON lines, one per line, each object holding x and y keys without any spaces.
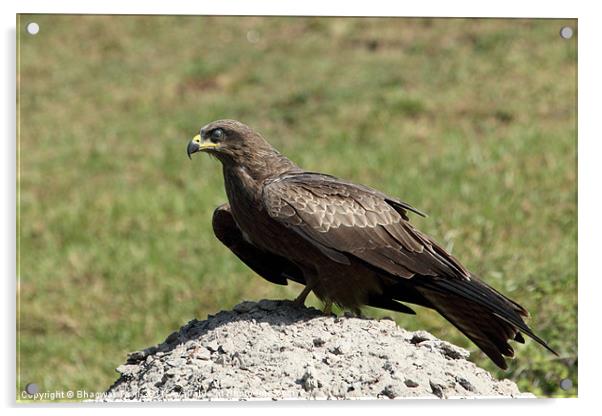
{"x":472,"y":121}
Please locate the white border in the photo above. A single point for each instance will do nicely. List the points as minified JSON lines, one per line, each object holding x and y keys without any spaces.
{"x":589,"y":174}
{"x":507,"y":8}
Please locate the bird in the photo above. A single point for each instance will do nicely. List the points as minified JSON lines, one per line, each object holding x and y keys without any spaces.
{"x":349,"y":244}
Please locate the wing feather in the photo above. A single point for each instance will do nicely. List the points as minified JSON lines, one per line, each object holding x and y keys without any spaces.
{"x":342,"y":219}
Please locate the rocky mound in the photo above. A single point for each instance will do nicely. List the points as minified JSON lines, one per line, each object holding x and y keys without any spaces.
{"x":276,"y":350}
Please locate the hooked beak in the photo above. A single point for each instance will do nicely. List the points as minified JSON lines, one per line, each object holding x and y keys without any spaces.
{"x":198,"y":145}
{"x":193,"y":146}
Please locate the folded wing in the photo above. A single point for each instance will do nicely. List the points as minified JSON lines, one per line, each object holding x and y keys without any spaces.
{"x":342,"y":219}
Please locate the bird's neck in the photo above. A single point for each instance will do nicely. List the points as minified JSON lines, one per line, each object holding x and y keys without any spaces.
{"x":263,"y":165}
{"x":244,"y":181}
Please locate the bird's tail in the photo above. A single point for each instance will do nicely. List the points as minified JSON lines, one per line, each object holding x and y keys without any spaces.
{"x":481,"y":313}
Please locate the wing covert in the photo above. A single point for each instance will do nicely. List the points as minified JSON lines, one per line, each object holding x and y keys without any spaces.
{"x":341,"y":219}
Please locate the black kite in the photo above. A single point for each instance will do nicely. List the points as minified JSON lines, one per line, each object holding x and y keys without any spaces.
{"x":350,"y":244}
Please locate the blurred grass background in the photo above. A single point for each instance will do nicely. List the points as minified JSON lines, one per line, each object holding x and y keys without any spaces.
{"x":470,"y":120}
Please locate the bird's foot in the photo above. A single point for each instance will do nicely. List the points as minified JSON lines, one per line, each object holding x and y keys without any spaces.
{"x":358,"y":313}
{"x":300,"y":300}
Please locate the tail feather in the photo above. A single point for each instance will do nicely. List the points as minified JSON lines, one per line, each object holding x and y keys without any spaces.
{"x":479,"y":292}
{"x":519,"y":338}
{"x":476,"y":322}
{"x":484,"y":315}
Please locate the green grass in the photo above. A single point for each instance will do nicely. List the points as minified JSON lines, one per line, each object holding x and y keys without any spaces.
{"x":472,"y":121}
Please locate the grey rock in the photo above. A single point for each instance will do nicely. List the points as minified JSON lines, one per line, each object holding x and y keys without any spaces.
{"x":318,"y":342}
{"x":437,"y":388}
{"x":201,"y":353}
{"x":391,"y":391}
{"x":244,"y":307}
{"x":172,"y":338}
{"x":410,"y":383}
{"x":341,"y":349}
{"x":465,"y":383}
{"x":309,"y":380}
{"x":275,"y":350}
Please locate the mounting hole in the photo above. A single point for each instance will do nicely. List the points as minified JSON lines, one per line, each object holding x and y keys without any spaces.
{"x":31,"y":389}
{"x":566,"y":32}
{"x":32,"y":28}
{"x":566,"y":384}
{"x":253,"y":36}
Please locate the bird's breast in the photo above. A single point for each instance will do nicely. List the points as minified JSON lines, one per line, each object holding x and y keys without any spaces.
{"x":245,"y":202}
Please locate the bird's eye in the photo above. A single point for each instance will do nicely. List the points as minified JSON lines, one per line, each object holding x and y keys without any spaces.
{"x":217,"y":135}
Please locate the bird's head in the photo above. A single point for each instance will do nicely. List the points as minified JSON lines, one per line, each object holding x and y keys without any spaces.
{"x":231,"y":141}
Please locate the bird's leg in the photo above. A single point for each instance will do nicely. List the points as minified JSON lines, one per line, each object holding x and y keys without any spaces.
{"x":328,"y":307}
{"x":300,"y":300}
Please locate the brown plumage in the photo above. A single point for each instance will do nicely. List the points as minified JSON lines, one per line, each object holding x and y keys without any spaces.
{"x":350,"y":244}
